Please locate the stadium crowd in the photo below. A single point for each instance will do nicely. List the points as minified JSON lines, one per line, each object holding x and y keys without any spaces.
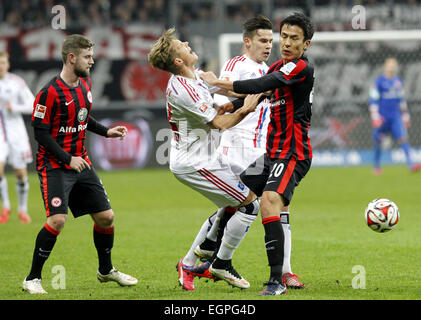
{"x":36,"y":13}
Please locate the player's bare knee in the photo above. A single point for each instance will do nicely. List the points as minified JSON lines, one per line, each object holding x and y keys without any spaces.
{"x":57,"y":221}
{"x":21,"y":174}
{"x":104,"y":219}
{"x":271,"y":204}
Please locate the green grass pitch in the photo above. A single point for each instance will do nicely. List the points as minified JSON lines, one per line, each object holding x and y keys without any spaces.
{"x":157,"y":219}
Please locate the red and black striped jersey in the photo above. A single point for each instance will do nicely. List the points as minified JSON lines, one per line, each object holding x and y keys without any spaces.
{"x":288,"y":130}
{"x":64,"y":111}
{"x":292,"y":90}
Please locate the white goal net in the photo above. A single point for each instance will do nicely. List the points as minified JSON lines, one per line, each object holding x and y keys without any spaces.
{"x":346,"y":64}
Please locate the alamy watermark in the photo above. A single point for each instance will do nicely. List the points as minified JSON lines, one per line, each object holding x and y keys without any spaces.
{"x":59,"y":280}
{"x":359,"y":18}
{"x":203,"y":144}
{"x":359,"y":281}
{"x":59,"y":20}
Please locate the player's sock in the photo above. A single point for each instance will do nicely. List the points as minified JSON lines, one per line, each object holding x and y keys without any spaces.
{"x":22,"y":190}
{"x":104,"y":240}
{"x":191,"y":258}
{"x":43,"y":246}
{"x":4,"y":192}
{"x":377,"y":153}
{"x":236,"y":229}
{"x":274,"y":242}
{"x":213,"y":231}
{"x":287,"y":243}
{"x":226,"y":216}
{"x":406,"y":147}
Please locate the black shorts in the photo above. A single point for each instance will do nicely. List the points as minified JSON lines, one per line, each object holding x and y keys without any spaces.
{"x":279,"y":175}
{"x":83,"y":192}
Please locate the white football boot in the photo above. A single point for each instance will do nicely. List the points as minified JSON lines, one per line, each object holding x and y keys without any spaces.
{"x":33,"y":286}
{"x":121,"y":278}
{"x":231,"y":276}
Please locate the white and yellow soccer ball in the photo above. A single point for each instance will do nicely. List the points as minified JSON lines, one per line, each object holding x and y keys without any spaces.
{"x":381,"y":215}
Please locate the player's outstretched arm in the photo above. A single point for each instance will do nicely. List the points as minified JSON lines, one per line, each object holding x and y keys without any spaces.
{"x":227,"y":121}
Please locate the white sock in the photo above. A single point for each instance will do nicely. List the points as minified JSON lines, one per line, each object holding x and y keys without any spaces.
{"x":286,"y":268}
{"x":22,"y":190}
{"x":191,"y":258}
{"x":236,"y":230}
{"x":4,"y":192}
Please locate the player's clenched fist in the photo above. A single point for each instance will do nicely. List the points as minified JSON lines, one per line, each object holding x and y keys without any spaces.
{"x":117,"y":132}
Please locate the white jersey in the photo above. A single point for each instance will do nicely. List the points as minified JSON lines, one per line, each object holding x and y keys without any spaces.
{"x":251,"y":131}
{"x":189,"y":110}
{"x":246,"y":141}
{"x":14,"y":141}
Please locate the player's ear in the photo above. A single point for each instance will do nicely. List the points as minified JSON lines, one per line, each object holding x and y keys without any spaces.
{"x":71,"y":57}
{"x":247,"y":42}
{"x":306,"y":44}
{"x":178,"y":62}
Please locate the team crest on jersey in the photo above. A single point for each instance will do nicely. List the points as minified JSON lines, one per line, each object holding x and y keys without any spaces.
{"x":89,"y":96}
{"x":40,"y":111}
{"x":56,"y":202}
{"x":82,"y":114}
{"x":287,"y":69}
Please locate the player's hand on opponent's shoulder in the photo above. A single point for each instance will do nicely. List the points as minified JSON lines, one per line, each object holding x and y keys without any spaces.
{"x":250,"y":102}
{"x":79,"y":164}
{"x":209,"y":77}
{"x":117,"y":132}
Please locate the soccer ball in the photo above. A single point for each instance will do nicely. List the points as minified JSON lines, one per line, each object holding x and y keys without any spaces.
{"x":381,"y":215}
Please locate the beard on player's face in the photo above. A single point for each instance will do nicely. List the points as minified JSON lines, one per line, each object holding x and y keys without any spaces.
{"x":80,"y":71}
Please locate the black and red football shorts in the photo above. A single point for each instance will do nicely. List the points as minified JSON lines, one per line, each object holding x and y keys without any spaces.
{"x":82,"y":192}
{"x":279,"y":175}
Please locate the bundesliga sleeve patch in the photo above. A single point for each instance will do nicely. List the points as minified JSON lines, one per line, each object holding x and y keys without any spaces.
{"x":287,"y":69}
{"x":203,"y":108}
{"x":40,"y":111}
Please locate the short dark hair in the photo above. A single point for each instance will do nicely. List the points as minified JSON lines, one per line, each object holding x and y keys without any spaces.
{"x":301,"y":20}
{"x":250,"y":26}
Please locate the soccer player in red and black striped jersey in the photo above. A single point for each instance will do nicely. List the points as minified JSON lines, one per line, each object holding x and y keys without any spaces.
{"x":61,"y":117}
{"x":288,"y":149}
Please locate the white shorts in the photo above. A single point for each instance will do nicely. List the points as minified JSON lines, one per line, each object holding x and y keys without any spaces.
{"x":239,"y":158}
{"x":220,"y":185}
{"x":17,"y":154}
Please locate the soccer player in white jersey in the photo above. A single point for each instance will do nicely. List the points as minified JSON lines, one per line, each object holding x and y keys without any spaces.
{"x":15,"y":149}
{"x":244,"y":143}
{"x":193,"y":160}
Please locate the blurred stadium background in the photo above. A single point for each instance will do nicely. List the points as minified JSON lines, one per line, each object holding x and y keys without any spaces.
{"x":126,"y":89}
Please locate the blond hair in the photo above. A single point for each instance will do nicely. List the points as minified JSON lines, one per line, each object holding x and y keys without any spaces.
{"x":73,"y":44}
{"x":4,"y":54}
{"x":162,"y":53}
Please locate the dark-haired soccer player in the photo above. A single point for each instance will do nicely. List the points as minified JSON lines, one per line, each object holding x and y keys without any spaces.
{"x":60,"y":118}
{"x":288,"y":150}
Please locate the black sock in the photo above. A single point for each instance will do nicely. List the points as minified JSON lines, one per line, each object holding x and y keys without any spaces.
{"x":274,"y":242}
{"x":104,"y":240}
{"x":208,"y":244}
{"x":43,"y":246}
{"x":228,"y":213}
{"x":221,"y":264}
